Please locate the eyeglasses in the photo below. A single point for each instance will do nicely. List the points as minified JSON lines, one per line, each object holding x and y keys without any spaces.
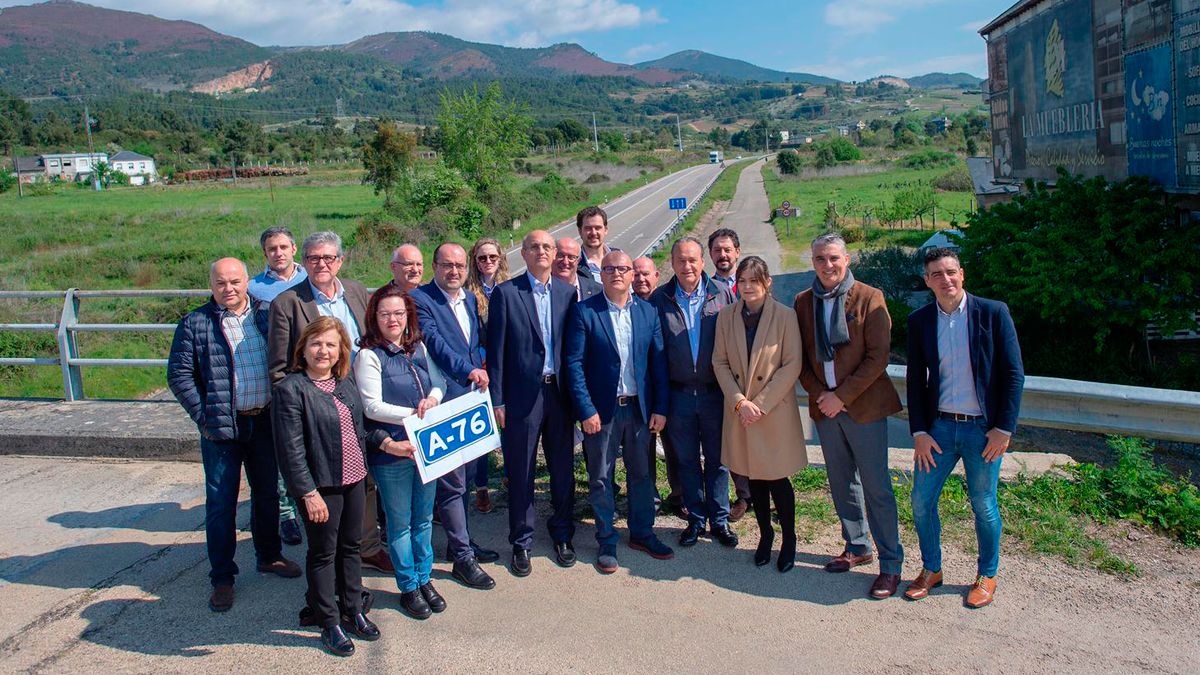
{"x":616,"y":269}
{"x":487,"y":257}
{"x":318,"y":259}
{"x":566,"y":256}
{"x":388,"y":316}
{"x":452,"y":266}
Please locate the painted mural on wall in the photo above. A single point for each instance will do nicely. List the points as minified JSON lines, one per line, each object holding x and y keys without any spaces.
{"x":1149,"y":115}
{"x":1054,"y":114}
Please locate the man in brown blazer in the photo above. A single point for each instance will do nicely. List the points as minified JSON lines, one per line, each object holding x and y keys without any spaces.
{"x":324,"y":294}
{"x":846,"y":332}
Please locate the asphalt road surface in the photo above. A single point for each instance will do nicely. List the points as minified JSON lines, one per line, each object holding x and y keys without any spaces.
{"x":637,"y":219}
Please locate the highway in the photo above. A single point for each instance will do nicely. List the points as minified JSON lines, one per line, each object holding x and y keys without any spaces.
{"x":636,"y":220}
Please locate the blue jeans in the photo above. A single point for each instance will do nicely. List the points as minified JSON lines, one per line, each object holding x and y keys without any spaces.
{"x":223,"y":462}
{"x":408,"y":504}
{"x":965,"y":440}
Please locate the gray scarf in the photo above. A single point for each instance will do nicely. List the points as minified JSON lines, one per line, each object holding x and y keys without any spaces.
{"x":837,"y":334}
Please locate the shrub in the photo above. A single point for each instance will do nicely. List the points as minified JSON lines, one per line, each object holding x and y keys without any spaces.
{"x":891,"y":269}
{"x":436,"y":186}
{"x":844,"y":150}
{"x":788,"y":161}
{"x":957,"y":179}
{"x":7,"y":181}
{"x":468,"y":216}
{"x":854,"y":234}
{"x":928,"y":159}
{"x":899,"y":311}
{"x":597,"y":178}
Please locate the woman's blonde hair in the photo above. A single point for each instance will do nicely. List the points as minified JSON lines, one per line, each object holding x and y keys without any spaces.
{"x":475,"y":282}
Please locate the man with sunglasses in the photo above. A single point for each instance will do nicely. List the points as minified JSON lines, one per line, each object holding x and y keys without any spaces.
{"x":617,"y":381}
{"x":324,"y":294}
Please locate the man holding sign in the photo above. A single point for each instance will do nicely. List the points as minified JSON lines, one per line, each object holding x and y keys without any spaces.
{"x":526,"y":316}
{"x":617,"y":372}
{"x":449,"y":319}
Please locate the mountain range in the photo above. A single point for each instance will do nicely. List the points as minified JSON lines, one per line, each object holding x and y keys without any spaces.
{"x":64,"y":47}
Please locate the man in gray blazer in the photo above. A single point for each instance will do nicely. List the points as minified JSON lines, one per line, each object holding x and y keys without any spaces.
{"x":324,"y":294}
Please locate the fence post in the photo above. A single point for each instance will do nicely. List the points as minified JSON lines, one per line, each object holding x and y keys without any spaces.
{"x":68,"y":349}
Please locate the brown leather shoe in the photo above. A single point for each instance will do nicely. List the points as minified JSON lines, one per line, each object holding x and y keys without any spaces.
{"x":885,"y":586}
{"x":483,"y":500}
{"x":283,"y":567}
{"x":379,"y":561}
{"x":737,"y":510}
{"x":847,"y":560}
{"x":982,"y":593}
{"x":921,"y":586}
{"x":222,"y":598}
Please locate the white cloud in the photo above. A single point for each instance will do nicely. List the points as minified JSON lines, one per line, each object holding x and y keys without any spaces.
{"x":856,"y":17}
{"x":640,"y":52}
{"x":315,"y":22}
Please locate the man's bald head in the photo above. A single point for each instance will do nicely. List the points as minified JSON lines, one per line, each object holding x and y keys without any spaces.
{"x":229,"y":280}
{"x":408,"y":266}
{"x":616,"y":273}
{"x":537,"y":250}
{"x":645,"y":277}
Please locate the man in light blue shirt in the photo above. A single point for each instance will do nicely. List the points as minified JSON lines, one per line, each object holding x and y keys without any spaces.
{"x":279,"y":248}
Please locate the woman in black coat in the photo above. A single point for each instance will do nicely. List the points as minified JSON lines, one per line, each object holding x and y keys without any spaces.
{"x":320,"y":442}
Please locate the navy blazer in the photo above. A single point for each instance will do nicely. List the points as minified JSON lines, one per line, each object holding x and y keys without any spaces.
{"x":995,"y":363}
{"x":514,"y":339}
{"x":455,"y":355}
{"x":588,"y":288}
{"x":593,"y":364}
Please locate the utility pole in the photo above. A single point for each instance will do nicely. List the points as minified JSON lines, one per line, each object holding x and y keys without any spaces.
{"x":87,"y":125}
{"x":12,"y":152}
{"x":767,"y":139}
{"x":679,"y":132}
{"x":595,"y":134}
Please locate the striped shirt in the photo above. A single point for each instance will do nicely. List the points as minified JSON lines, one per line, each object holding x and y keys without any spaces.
{"x":354,"y":467}
{"x":248,"y":347}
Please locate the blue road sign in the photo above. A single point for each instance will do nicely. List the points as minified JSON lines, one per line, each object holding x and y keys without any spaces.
{"x":677,"y":203}
{"x":455,"y":433}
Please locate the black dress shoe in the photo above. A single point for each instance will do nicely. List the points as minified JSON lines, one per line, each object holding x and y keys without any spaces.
{"x":362,"y":627}
{"x":521,"y":567}
{"x":691,"y":534}
{"x":414,"y":605}
{"x":307,"y":616}
{"x":725,"y":536}
{"x":564,"y":554}
{"x":471,"y":575}
{"x":432,"y":598}
{"x":787,"y":555}
{"x":289,"y":532}
{"x":484,"y":555}
{"x":336,"y":641}
{"x":762,"y":554}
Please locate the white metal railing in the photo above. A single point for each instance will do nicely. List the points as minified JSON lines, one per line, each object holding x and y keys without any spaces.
{"x":1047,"y":401}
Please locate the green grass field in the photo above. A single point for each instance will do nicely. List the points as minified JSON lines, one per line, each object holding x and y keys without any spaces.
{"x":852,"y":194}
{"x":165,"y":237}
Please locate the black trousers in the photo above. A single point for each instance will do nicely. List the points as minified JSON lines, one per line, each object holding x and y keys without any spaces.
{"x":763,"y":492}
{"x":334,"y":566}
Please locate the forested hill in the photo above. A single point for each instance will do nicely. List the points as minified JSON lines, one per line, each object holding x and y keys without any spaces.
{"x":711,"y":65}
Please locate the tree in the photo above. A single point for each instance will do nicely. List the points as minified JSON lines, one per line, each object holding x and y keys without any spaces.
{"x":243,"y":139}
{"x":16,"y":123}
{"x":573,"y":131}
{"x":613,"y":140}
{"x":1084,"y":267}
{"x":825,"y":157}
{"x":388,"y":159}
{"x":719,"y":137}
{"x":482,"y":134}
{"x":789,"y":161}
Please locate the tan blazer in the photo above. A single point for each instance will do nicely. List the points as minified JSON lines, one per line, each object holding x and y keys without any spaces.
{"x":861,"y":365}
{"x":772,"y":447}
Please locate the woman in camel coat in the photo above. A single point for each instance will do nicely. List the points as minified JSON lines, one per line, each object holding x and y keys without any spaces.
{"x":757,"y":358}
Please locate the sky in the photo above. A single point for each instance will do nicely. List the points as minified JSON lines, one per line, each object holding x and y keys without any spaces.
{"x":846,"y":39}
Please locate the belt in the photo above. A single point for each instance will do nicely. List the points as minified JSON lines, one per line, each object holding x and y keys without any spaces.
{"x":958,"y":417}
{"x":626,"y":400}
{"x":254,"y":411}
{"x":548,"y":379}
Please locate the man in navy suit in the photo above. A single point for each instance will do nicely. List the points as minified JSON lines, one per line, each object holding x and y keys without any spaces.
{"x":526,"y":317}
{"x":964,"y":394}
{"x":449,"y":320}
{"x":617,"y":378}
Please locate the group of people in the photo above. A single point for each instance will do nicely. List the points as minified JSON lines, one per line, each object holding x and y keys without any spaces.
{"x":306,"y":378}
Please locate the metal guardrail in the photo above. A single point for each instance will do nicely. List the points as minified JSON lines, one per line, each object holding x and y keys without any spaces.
{"x":69,"y":326}
{"x":1047,"y":402}
{"x":666,"y":234}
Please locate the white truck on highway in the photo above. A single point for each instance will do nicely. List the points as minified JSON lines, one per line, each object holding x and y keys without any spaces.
{"x":715,"y":157}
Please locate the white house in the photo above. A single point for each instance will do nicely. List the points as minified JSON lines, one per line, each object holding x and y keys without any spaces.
{"x":71,"y":165}
{"x":140,"y":168}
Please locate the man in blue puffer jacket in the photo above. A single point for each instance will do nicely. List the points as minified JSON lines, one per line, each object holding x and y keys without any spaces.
{"x":218,"y":372}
